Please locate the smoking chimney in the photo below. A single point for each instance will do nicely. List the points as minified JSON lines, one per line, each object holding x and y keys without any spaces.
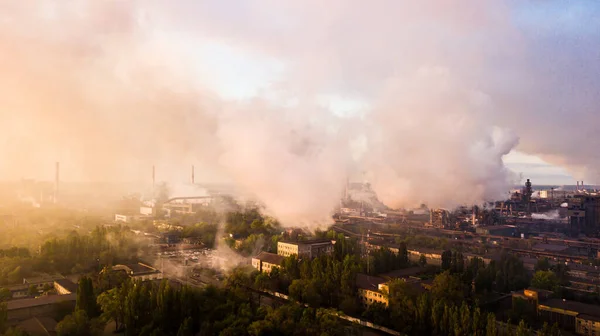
{"x":193,"y":177}
{"x":56,"y":182}
{"x":582,"y":187}
{"x":577,"y":185}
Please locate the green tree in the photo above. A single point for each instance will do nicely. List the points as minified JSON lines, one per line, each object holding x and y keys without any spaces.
{"x":542,"y":265}
{"x":33,"y":291}
{"x":448,"y":287}
{"x":545,"y":280}
{"x":86,"y":298}
{"x":545,"y":331}
{"x":186,"y":328}
{"x":422,"y":260}
{"x":522,"y":329}
{"x":76,"y":324}
{"x":491,"y":328}
{"x":5,"y":294}
{"x":111,"y":307}
{"x":3,"y":316}
{"x":446,"y":260}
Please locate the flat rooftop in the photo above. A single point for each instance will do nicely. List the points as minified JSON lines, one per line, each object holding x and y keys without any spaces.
{"x":43,"y":278}
{"x":41,"y":301}
{"x":67,"y":284}
{"x":368,"y":282}
{"x":581,"y":308}
{"x":402,"y":273}
{"x":270,"y":258}
{"x":307,"y":242}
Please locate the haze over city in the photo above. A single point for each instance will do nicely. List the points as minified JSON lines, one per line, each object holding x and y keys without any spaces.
{"x":396,"y":166}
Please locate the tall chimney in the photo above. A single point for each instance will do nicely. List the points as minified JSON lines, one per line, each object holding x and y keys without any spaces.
{"x":193,"y":177}
{"x":153,"y":176}
{"x":56,"y":182}
{"x":577,"y":185}
{"x":582,"y":187}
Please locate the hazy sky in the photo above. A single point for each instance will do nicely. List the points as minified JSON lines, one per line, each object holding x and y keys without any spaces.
{"x":444,"y":102}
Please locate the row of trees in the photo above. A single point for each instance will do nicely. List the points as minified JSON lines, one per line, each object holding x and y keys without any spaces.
{"x":162,"y":309}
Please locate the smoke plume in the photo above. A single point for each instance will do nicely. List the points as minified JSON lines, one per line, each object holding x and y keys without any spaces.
{"x":112,"y":88}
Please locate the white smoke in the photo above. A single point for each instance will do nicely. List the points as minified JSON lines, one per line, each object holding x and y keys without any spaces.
{"x":550,"y":215}
{"x":112,"y":88}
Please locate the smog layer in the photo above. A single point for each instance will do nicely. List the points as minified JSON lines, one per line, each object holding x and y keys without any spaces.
{"x":445,"y":89}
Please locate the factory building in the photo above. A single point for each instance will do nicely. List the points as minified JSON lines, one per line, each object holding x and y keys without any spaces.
{"x":307,"y":249}
{"x":438,"y":218}
{"x":265,"y":261}
{"x":584,"y":214}
{"x":497,"y":230}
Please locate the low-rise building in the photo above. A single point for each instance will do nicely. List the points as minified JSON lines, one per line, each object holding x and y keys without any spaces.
{"x":19,"y":291}
{"x":305,"y":249}
{"x":42,"y":280}
{"x":433,"y":257}
{"x":582,"y":318}
{"x":265,"y":261}
{"x":139,"y":271}
{"x":65,"y":286}
{"x":19,"y":310}
{"x":372,"y":289}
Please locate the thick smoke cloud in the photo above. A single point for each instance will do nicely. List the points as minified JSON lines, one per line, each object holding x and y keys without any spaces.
{"x":108,"y":88}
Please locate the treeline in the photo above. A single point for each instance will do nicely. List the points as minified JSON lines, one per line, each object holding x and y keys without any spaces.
{"x":72,"y":254}
{"x":161,"y":309}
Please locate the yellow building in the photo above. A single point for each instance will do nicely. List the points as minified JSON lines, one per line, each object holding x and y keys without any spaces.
{"x":372,"y":289}
{"x":587,"y":325}
{"x":582,"y":318}
{"x":305,"y":249}
{"x":265,"y":261}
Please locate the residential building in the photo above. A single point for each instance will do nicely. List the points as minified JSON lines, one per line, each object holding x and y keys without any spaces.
{"x":305,"y":249}
{"x":372,"y":289}
{"x":265,"y":261}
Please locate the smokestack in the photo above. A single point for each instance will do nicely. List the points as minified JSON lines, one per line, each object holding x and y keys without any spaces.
{"x":582,"y":187}
{"x":153,"y":176}
{"x":193,"y":177}
{"x":56,"y":182}
{"x":577,"y":185}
